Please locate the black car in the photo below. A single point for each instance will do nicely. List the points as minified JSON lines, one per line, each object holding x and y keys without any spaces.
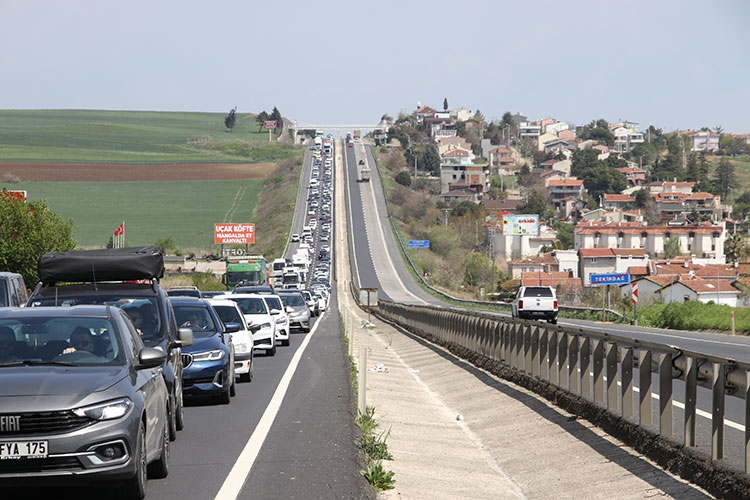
{"x":82,"y":399}
{"x":259,"y":289}
{"x":127,"y":278}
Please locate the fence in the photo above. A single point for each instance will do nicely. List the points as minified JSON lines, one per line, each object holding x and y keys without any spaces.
{"x":584,"y":365}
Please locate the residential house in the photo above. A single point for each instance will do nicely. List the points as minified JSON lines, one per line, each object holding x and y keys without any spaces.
{"x":649,"y":287}
{"x":529,"y":129}
{"x":457,"y":156}
{"x":705,"y":239}
{"x":705,"y":141}
{"x":445,"y":144}
{"x":567,"y":135}
{"x":635,"y":176}
{"x":609,"y":261}
{"x":603,"y":215}
{"x":542,"y":263}
{"x":471,"y":174}
{"x":558,"y":190}
{"x":501,"y":207}
{"x":719,"y":292}
{"x":616,"y":201}
{"x":626,"y":139}
{"x":567,"y":260}
{"x":545,"y":138}
{"x":571,"y":208}
{"x":422,"y":112}
{"x":556,"y":128}
{"x":552,"y":175}
{"x":501,"y":158}
{"x":443,"y":129}
{"x":556,"y":145}
{"x":460,"y":193}
{"x":516,"y":246}
{"x":461,"y":114}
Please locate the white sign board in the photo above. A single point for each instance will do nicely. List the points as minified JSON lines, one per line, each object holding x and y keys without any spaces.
{"x":521,"y":224}
{"x":368,"y":297}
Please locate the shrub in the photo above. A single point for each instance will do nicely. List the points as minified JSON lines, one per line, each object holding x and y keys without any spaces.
{"x":404,"y":178}
{"x":379,"y":478}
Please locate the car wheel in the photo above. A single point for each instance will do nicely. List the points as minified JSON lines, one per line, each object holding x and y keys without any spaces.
{"x":159,"y":469}
{"x":553,"y":321}
{"x":246,"y":377}
{"x":285,"y":342}
{"x":180,"y":413}
{"x":233,"y":388}
{"x":135,"y":487}
{"x":224,"y":397}
{"x":272,"y":350}
{"x":172,"y":418}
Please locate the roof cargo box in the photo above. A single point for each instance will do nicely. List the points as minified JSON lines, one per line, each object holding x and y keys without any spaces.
{"x":111,"y":264}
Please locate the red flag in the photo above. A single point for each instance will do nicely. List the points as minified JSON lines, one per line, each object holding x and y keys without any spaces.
{"x":119,"y":230}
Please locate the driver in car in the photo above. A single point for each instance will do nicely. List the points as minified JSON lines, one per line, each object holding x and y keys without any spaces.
{"x":194,"y":319}
{"x":7,"y":344}
{"x":80,"y":340}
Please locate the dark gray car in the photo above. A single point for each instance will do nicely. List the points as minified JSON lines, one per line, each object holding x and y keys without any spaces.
{"x":81,"y":399}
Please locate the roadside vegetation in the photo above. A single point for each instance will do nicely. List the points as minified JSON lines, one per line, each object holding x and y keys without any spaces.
{"x":376,"y":450}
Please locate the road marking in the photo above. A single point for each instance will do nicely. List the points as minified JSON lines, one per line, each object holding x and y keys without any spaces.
{"x":234,"y":482}
{"x":347,"y":186}
{"x":385,"y":247}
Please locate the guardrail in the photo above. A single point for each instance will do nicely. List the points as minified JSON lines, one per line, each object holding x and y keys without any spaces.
{"x":579,"y":367}
{"x":400,"y":241}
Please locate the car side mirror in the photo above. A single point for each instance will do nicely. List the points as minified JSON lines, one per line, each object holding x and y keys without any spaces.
{"x":185,"y":337}
{"x":232,"y":327}
{"x":149,"y":357}
{"x":289,"y":309}
{"x":254,"y":328}
{"x":275,"y":312}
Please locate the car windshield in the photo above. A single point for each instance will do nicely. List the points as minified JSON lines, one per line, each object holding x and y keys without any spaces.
{"x":229,"y":314}
{"x":184,"y":292}
{"x":197,"y":318}
{"x":251,"y":305}
{"x":290,"y":279}
{"x":250,"y":277}
{"x":274,"y":303}
{"x":538,"y":291}
{"x":293,"y":299}
{"x":67,"y":341}
{"x":151,"y":328}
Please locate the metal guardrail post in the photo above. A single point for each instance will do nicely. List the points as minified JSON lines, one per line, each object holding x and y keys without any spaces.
{"x":544,"y":354}
{"x":554,"y":374}
{"x":612,"y":389}
{"x":626,"y":363}
{"x":585,"y":358}
{"x":691,"y":389}
{"x":666,"y":422}
{"x":717,"y":417}
{"x":574,"y":377}
{"x":562,"y":358}
{"x":362,"y":383}
{"x":598,"y":371}
{"x":519,"y":346}
{"x":535,"y":368}
{"x":644,"y":375}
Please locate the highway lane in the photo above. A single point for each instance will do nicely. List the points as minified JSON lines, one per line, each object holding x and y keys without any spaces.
{"x":731,"y":347}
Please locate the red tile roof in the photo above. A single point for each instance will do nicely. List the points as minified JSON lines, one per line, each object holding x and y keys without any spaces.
{"x":566,"y":182}
{"x":618,"y":197}
{"x":709,"y":286}
{"x":500,"y":149}
{"x":638,"y":271}
{"x":633,"y":252}
{"x":595,"y":252}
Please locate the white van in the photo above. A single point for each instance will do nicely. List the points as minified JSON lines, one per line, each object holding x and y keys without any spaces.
{"x":277,"y":269}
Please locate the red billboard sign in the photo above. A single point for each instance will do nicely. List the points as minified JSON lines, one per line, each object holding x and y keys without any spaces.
{"x":21,"y":195}
{"x":269,"y":124}
{"x":227,"y":233}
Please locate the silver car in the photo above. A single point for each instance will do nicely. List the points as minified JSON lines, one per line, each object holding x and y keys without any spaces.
{"x":78,"y":388}
{"x":299,"y":317}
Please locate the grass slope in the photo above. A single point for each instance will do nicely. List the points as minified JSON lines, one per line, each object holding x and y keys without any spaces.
{"x":185,"y":210}
{"x":126,"y":137}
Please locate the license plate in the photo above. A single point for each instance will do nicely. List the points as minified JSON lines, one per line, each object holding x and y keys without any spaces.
{"x":23,"y":449}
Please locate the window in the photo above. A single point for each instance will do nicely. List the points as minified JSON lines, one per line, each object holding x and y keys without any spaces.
{"x":593,"y":260}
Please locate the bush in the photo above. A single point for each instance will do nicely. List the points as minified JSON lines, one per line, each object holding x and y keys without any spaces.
{"x":208,"y":282}
{"x":404,"y":178}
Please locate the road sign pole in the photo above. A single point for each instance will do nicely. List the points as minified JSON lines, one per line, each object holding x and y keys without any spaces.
{"x":604,"y":313}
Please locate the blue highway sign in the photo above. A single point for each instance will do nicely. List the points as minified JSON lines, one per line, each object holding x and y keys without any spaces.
{"x":609,"y":279}
{"x":419,"y":243}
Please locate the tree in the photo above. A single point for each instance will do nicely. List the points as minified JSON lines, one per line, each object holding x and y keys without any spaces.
{"x":467,"y":207}
{"x":403,"y":178}
{"x":386,"y":118}
{"x":28,"y":230}
{"x":477,"y":269}
{"x":445,"y":104}
{"x":430,"y":160}
{"x":597,"y":177}
{"x":735,"y":248}
{"x":564,"y":235}
{"x":536,"y":204}
{"x":641,"y":198}
{"x":672,"y":248}
{"x":260,"y":118}
{"x":525,"y":178}
{"x":231,"y":119}
{"x":724,"y":177}
{"x":276,"y":115}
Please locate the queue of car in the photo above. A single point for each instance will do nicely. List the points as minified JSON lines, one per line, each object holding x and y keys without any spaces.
{"x":97,"y":364}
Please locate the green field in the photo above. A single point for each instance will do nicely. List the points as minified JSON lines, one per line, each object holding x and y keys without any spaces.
{"x":184,"y":210}
{"x":80,"y":136}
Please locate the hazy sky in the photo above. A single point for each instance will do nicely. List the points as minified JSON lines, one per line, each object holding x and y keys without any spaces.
{"x":671,"y":63}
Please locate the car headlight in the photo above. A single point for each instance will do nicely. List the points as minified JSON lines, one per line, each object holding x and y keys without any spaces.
{"x":213,"y":355}
{"x":281,"y":320}
{"x":265,"y":325}
{"x":109,"y":410}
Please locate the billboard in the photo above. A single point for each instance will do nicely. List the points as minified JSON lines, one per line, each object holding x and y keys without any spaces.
{"x":521,"y":224}
{"x":21,"y":195}
{"x":269,"y":124}
{"x":227,"y":233}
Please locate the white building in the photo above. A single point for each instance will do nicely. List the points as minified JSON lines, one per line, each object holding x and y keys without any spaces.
{"x":719,"y":291}
{"x":515,"y":246}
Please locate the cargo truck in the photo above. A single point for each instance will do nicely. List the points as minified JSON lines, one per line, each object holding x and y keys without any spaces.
{"x":365,"y":174}
{"x":251,"y":271}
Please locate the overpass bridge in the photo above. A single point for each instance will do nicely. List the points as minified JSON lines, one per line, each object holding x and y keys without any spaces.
{"x":298,"y":130}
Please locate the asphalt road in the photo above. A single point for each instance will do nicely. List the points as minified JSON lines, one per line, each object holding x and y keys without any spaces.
{"x":223,"y":453}
{"x":374,"y":244}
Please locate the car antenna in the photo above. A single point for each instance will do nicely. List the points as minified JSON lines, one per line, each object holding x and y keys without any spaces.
{"x":93,"y":273}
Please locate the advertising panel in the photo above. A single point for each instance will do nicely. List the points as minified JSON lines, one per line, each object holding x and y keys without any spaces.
{"x":521,"y":224}
{"x":234,"y":233}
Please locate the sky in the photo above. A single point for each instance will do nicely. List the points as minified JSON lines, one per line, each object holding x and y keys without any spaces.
{"x":669,"y":63}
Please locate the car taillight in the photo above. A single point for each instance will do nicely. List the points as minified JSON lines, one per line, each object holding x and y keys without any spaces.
{"x":520,"y":304}
{"x":555,"y":306}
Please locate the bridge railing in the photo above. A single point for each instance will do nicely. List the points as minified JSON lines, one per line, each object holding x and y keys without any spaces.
{"x":593,"y":372}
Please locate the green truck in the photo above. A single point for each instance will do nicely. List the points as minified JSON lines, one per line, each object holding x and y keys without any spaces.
{"x":249,"y":271}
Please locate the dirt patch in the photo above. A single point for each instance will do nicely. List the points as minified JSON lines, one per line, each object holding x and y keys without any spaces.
{"x":86,"y":172}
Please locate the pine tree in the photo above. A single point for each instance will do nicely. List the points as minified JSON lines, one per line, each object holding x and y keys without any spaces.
{"x":724,"y":177}
{"x":276,"y":115}
{"x":445,"y":104}
{"x":231,"y":119}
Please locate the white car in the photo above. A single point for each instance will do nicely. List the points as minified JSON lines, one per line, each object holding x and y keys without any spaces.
{"x":280,"y":315}
{"x":258,"y":318}
{"x":295,"y":237}
{"x":229,"y":312}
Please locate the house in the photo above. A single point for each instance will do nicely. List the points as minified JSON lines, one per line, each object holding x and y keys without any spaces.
{"x":555,"y":128}
{"x":563,"y":282}
{"x":602,"y":215}
{"x":461,"y":114}
{"x":703,"y":239}
{"x":626,"y":139}
{"x":447,"y":143}
{"x":553,"y":175}
{"x":529,"y":129}
{"x":568,"y":135}
{"x":649,"y":287}
{"x":457,"y":156}
{"x":545,"y":138}
{"x":474,"y":175}
{"x":516,"y":246}
{"x":616,"y":201}
{"x":501,"y":158}
{"x":422,"y":112}
{"x":543,"y":263}
{"x":608,"y":261}
{"x":443,"y":129}
{"x":719,"y":292}
{"x":558,"y":190}
{"x":571,"y":207}
{"x":502,"y":206}
{"x":556,"y":145}
{"x":460,"y":193}
{"x":705,"y":141}
{"x":635,"y":176}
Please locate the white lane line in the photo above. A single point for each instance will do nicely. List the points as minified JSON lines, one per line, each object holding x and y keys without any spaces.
{"x":347,"y":187}
{"x":655,"y":334}
{"x":236,"y":479}
{"x":387,"y":253}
